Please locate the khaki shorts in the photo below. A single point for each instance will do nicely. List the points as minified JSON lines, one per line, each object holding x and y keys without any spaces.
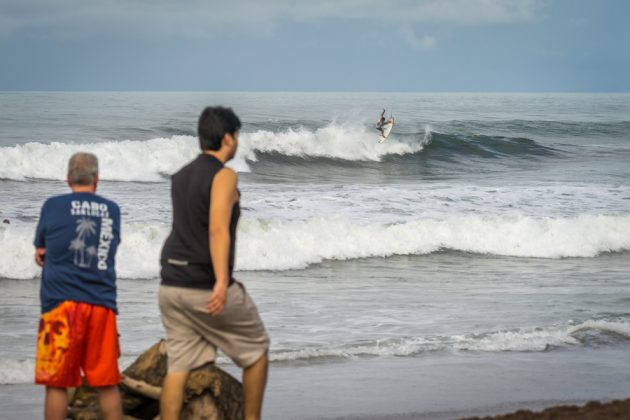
{"x":192,"y":335}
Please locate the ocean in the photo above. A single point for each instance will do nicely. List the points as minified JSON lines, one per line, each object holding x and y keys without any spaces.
{"x":476,"y":260}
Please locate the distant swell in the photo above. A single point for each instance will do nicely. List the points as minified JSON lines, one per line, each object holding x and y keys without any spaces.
{"x":481,"y":146}
{"x":284,"y":245}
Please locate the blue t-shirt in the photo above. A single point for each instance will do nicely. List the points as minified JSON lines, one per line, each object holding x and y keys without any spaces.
{"x":80,"y":232}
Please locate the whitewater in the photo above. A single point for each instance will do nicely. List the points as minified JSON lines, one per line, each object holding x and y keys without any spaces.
{"x":276,"y":245}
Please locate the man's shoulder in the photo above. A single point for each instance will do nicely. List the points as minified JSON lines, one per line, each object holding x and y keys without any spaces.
{"x":106,"y":200}
{"x":227,"y":176}
{"x":191,"y":165}
{"x":57,"y":199}
{"x":86,"y":197}
{"x":110,"y":203}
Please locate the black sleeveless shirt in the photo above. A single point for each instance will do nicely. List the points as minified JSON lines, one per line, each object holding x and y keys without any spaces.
{"x":185,"y":259}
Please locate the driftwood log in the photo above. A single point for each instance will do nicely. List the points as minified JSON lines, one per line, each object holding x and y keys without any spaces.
{"x":210,"y":393}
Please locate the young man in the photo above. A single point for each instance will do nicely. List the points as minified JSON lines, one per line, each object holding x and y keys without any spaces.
{"x":201,"y":304}
{"x":76,"y":241}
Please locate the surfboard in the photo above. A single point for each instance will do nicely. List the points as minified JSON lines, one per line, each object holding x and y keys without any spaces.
{"x":387,"y":128}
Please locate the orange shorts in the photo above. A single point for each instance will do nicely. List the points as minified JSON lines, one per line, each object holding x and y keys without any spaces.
{"x":76,"y":336}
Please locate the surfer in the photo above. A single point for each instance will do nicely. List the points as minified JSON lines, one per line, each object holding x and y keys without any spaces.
{"x":381,"y":121}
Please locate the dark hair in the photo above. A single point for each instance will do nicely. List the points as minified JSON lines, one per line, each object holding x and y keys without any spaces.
{"x":214,"y":123}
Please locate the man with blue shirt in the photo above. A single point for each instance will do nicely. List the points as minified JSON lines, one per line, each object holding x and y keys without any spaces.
{"x":76,"y":241}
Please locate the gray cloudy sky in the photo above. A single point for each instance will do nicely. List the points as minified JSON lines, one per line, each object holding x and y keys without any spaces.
{"x":397,"y":45}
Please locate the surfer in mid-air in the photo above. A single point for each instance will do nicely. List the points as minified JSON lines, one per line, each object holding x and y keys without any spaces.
{"x":381,"y":121}
{"x":384,"y":126}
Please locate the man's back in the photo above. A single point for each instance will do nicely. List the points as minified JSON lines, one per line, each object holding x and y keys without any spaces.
{"x":187,"y":246}
{"x":81,"y":232}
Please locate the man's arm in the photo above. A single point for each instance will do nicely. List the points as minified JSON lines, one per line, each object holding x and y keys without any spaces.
{"x":40,"y":253}
{"x":221,"y":203}
{"x":40,"y":238}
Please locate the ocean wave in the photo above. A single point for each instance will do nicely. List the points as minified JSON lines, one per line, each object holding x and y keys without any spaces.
{"x":145,"y":161}
{"x":484,"y":146}
{"x":544,"y":128}
{"x":284,"y":245}
{"x":536,"y":339}
{"x":345,"y":142}
{"x":153,"y":160}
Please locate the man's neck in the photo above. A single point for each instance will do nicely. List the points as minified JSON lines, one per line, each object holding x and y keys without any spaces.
{"x":217,"y":154}
{"x":83,"y":189}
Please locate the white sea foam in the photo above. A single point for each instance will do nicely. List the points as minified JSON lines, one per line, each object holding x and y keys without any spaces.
{"x":282,"y":245}
{"x":518,"y":340}
{"x":345,"y":141}
{"x":151,"y":160}
{"x":23,"y":371}
{"x":118,"y":161}
{"x":17,"y":371}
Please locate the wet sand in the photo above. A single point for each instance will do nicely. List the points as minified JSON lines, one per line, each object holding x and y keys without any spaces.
{"x":448,"y":387}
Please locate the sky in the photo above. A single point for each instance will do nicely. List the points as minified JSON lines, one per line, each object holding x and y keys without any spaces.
{"x":316,"y":45}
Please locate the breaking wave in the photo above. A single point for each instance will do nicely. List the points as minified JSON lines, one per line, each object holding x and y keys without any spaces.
{"x":284,"y":245}
{"x":154,"y":160}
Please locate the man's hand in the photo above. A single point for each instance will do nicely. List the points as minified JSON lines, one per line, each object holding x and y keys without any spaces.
{"x":216,"y":303}
{"x":40,"y":253}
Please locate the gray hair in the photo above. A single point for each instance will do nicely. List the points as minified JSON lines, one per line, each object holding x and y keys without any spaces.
{"x":82,"y":168}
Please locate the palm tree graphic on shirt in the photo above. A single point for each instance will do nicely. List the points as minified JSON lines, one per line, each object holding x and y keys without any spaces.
{"x":85,"y":228}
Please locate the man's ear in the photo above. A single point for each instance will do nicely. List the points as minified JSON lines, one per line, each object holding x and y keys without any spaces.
{"x":68,"y":181}
{"x":228,"y":139}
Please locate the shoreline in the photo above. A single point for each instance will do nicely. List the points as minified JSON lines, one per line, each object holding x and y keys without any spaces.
{"x":446,"y":387}
{"x":591,"y":410}
{"x":27,"y":402}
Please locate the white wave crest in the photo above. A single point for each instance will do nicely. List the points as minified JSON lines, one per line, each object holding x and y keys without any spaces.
{"x":502,"y":341}
{"x":283,"y":245}
{"x":276,"y":245}
{"x":346,"y":141}
{"x":152,"y":160}
{"x":118,"y":161}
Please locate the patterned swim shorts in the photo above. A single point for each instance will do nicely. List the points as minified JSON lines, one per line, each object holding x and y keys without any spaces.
{"x":73,"y":337}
